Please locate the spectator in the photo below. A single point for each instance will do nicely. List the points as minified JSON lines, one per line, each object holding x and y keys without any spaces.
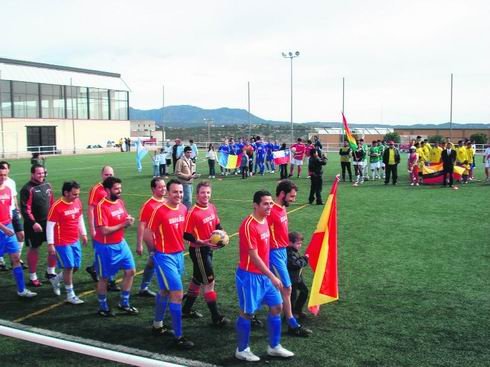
{"x":185,"y":170}
{"x":195,"y":151}
{"x":211,"y":156}
{"x":283,"y":168}
{"x":315,"y":167}
{"x":448,"y":157}
{"x":391,"y":159}
{"x":345,"y":155}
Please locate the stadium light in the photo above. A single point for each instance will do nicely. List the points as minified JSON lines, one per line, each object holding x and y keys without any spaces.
{"x":290,"y":55}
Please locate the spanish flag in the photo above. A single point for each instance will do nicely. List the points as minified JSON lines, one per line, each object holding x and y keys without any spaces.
{"x":350,"y":138}
{"x":322,"y":252}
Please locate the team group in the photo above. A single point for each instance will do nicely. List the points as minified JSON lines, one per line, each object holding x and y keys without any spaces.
{"x":266,"y":250}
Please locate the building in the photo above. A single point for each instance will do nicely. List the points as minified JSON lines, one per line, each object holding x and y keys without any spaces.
{"x":59,"y":109}
{"x":334,"y":135}
{"x":142,"y":128}
{"x":408,"y":134}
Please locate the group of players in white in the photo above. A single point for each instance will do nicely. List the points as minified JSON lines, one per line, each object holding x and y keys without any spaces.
{"x":164,"y":226}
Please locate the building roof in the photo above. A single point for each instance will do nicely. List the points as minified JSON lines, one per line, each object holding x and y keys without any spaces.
{"x":27,"y":71}
{"x":355,"y":130}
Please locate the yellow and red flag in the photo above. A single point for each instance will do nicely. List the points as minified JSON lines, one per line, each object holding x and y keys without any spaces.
{"x":322,"y":252}
{"x":350,"y":138}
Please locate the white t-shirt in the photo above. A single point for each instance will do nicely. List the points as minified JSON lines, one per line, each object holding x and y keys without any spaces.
{"x":487,"y":155}
{"x":13,"y":187}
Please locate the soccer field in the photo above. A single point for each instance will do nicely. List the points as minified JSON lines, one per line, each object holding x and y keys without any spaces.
{"x":413,"y":276}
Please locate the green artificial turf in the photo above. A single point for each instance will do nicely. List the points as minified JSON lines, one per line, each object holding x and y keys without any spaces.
{"x":413,"y":276}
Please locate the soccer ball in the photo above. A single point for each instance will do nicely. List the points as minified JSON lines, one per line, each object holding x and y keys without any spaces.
{"x":219,"y":238}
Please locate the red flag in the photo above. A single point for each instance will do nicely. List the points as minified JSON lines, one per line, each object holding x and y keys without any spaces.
{"x":322,"y":252}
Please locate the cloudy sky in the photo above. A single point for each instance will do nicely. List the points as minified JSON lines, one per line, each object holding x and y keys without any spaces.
{"x":396,"y":56}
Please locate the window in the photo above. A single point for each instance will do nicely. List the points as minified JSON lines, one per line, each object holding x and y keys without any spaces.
{"x":41,"y":138}
{"x":76,"y":103}
{"x":5,"y":99}
{"x":26,"y":99}
{"x":119,"y":105}
{"x":98,"y":104}
{"x":52,"y":101}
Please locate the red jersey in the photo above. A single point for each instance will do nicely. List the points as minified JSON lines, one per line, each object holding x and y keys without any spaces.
{"x":67,"y":219}
{"x":167,"y":225}
{"x":96,"y":194}
{"x":300,"y":151}
{"x":253,"y":235}
{"x":278,"y":226}
{"x":6,"y":201}
{"x":308,"y":149}
{"x":201,"y":221}
{"x":109,"y":213}
{"x":148,"y":208}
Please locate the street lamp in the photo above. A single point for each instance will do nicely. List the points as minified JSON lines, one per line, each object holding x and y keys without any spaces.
{"x":290,"y":55}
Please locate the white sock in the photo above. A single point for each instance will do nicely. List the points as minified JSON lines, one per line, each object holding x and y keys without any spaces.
{"x":70,"y":293}
{"x":2,"y":261}
{"x":51,"y":270}
{"x":32,"y":276}
{"x":157,"y":324}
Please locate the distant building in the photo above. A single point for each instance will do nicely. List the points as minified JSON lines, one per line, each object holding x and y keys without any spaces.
{"x":407,"y":134}
{"x":51,"y":108}
{"x":334,"y":135}
{"x":142,"y":127}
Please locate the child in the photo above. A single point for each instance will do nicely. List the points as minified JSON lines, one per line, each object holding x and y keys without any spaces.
{"x":296,"y":263}
{"x":244,"y":164}
{"x":156,"y":164}
{"x":413,"y":166}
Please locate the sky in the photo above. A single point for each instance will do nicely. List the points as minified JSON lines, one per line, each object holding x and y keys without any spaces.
{"x":396,"y":57}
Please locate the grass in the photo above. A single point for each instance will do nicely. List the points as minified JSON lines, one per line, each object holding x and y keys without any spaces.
{"x":413,"y":276}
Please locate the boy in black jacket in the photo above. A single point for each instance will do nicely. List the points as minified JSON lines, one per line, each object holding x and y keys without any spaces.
{"x":296,"y":263}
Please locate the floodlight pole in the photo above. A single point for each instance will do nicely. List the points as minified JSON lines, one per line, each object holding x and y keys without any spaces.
{"x":249,"y":123}
{"x":73,"y":117}
{"x":451,"y":111}
{"x":290,"y":55}
{"x":1,"y":119}
{"x":343,"y":110}
{"x":163,"y":106}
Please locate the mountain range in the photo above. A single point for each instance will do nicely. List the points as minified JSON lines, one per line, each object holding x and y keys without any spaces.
{"x":191,"y":116}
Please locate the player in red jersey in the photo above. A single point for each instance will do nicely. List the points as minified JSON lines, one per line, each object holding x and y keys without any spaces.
{"x":112,"y":252}
{"x":167,"y":224}
{"x":278,"y":224}
{"x":95,"y":195}
{"x":64,"y":228}
{"x":201,"y":221}
{"x":255,"y":283}
{"x":8,"y":241}
{"x":158,"y":190}
{"x":299,"y":150}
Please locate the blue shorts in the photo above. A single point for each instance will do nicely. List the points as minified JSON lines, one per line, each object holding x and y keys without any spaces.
{"x":69,"y":256}
{"x":169,"y":269}
{"x":8,"y":244}
{"x":109,"y":259}
{"x":255,"y":290}
{"x":278,"y":263}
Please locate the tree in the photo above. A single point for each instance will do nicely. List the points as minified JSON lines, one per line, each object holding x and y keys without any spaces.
{"x":479,"y":138}
{"x":392,"y":136}
{"x":436,"y":139}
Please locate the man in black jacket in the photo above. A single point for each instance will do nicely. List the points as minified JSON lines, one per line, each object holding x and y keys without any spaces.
{"x":315,"y":168}
{"x":448,"y":157}
{"x":36,"y":197}
{"x":391,"y":159}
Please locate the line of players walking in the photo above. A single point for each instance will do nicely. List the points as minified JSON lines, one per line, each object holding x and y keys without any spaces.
{"x":163,"y":226}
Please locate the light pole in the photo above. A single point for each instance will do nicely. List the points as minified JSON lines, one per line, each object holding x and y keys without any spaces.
{"x":290,"y":55}
{"x":208,"y":122}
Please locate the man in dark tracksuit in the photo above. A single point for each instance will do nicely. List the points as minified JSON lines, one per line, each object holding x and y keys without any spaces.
{"x":315,"y":168}
{"x":36,"y":197}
